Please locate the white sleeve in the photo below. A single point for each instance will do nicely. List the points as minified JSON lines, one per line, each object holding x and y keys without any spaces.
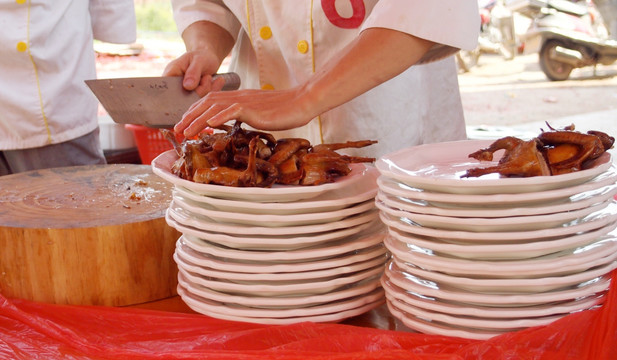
{"x":452,"y":24}
{"x":113,"y":21}
{"x":187,"y":12}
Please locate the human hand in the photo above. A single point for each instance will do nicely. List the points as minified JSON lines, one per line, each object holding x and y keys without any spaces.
{"x":197,"y":68}
{"x":266,"y":110}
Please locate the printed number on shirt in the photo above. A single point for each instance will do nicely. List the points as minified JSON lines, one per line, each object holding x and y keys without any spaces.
{"x":359,"y":12}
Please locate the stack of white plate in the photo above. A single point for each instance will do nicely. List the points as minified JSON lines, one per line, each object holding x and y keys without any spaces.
{"x":278,"y":255}
{"x":476,"y":257}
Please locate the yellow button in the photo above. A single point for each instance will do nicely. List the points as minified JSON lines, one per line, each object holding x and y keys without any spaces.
{"x":267,"y":87}
{"x":20,"y":1}
{"x":303,"y":46}
{"x":22,"y":46}
{"x":265,"y":32}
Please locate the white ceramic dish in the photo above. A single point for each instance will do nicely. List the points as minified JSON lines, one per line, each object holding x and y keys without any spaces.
{"x":354,"y":246}
{"x":395,"y":188}
{"x":204,"y":223}
{"x":162,"y":164}
{"x":489,"y":312}
{"x":269,"y":220}
{"x":296,"y":288}
{"x":193,"y":262}
{"x":439,"y":167}
{"x":363,"y":190}
{"x":445,"y":292}
{"x":499,"y":251}
{"x":434,"y":328}
{"x":282,"y":313}
{"x":198,"y":305}
{"x":497,"y":224}
{"x":508,"y":285}
{"x":360,"y":288}
{"x":582,"y":201}
{"x":588,"y":223}
{"x":570,"y":261}
{"x":475,"y":323}
{"x":272,"y":242}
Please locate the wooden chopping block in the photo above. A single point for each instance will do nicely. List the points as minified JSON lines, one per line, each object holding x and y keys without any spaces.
{"x":87,"y":235}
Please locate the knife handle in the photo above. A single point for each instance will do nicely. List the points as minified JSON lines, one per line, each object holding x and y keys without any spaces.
{"x":232,"y":80}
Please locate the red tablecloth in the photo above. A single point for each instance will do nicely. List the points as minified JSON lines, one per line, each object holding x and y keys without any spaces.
{"x":30,"y":330}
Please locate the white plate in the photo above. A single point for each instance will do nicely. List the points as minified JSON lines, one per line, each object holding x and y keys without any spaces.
{"x":555,"y":196}
{"x":197,"y":304}
{"x":573,"y":260}
{"x":449,"y":293}
{"x":204,"y":223}
{"x":198,"y":264}
{"x":360,"y":288}
{"x":474,"y":323}
{"x":498,"y":224}
{"x":273,"y":242}
{"x":162,"y":164}
{"x":507,"y":285}
{"x":363,"y":190}
{"x":489,"y":312}
{"x":497,"y":251}
{"x":282,"y":313}
{"x":577,"y":202}
{"x":355,"y":246}
{"x":591,"y":222}
{"x":269,"y":220}
{"x":439,"y":167}
{"x":296,"y":288}
{"x":434,"y":328}
{"x":184,"y":258}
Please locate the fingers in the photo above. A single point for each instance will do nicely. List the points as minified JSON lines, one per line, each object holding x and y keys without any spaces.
{"x":214,"y":116}
{"x":173,"y":69}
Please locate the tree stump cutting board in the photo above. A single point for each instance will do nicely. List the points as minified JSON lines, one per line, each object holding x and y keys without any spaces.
{"x":87,"y":235}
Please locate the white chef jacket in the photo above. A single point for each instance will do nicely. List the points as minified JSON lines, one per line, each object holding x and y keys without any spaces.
{"x":47,"y":53}
{"x":281,"y":43}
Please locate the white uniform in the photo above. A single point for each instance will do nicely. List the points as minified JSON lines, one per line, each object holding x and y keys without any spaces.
{"x":47,"y":53}
{"x":281,"y":43}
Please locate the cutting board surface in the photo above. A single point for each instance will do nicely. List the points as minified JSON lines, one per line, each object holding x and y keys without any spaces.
{"x":82,"y":196}
{"x":87,"y":235}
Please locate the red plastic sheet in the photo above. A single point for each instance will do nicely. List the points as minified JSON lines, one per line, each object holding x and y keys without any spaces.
{"x":30,"y":330}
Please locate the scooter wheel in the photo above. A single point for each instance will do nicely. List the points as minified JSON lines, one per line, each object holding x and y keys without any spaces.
{"x":554,"y":70}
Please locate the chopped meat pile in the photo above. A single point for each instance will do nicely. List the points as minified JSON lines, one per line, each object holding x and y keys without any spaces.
{"x":553,"y":152}
{"x":242,"y":158}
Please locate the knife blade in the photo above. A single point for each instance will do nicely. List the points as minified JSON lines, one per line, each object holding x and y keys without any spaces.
{"x":150,"y":101}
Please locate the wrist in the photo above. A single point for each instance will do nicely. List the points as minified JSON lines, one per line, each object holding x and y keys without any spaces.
{"x":204,"y":36}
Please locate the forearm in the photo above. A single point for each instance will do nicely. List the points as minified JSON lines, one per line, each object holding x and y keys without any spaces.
{"x":376,"y":56}
{"x":208,"y":36}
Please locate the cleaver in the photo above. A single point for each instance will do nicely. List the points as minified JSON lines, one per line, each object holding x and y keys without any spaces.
{"x":157,"y":102}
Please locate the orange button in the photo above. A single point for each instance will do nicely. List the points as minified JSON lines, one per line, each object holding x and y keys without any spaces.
{"x":20,"y":1}
{"x":22,"y":46}
{"x":265,"y":32}
{"x":267,"y":87}
{"x":303,"y":46}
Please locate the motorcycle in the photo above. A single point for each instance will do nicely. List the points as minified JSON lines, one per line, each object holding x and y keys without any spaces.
{"x":497,"y":35}
{"x":569,"y":35}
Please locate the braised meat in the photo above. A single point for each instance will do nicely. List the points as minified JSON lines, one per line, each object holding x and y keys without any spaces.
{"x":553,"y":152}
{"x":239,"y":157}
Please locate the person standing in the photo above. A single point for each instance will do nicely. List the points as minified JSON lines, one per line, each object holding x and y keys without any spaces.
{"x":329,"y":71}
{"x":48,"y":116}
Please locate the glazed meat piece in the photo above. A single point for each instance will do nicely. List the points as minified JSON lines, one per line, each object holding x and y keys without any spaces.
{"x":521,"y":158}
{"x":569,"y":150}
{"x":553,"y":152}
{"x":239,"y":157}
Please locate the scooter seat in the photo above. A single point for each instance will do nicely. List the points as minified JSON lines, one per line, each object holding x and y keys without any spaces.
{"x":568,"y":7}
